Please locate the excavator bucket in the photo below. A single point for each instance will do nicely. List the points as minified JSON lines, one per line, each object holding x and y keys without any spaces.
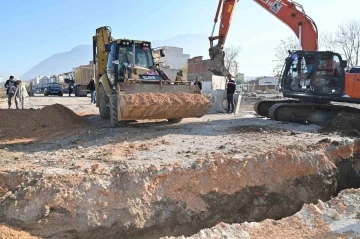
{"x":160,"y":101}
{"x":217,"y":63}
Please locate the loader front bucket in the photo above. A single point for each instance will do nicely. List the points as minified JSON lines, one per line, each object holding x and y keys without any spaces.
{"x":154,"y":101}
{"x":217,"y":63}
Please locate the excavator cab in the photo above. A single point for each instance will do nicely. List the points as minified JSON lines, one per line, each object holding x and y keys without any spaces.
{"x":313,"y":74}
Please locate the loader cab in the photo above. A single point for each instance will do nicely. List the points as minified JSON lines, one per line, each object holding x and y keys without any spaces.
{"x":121,"y":57}
{"x":313,"y":73}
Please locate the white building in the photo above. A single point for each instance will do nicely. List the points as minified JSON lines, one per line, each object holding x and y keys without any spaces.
{"x":173,"y":61}
{"x":175,"y":57}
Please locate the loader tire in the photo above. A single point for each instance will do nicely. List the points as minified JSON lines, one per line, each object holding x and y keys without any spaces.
{"x":103,"y":101}
{"x":113,"y":111}
{"x":174,"y":120}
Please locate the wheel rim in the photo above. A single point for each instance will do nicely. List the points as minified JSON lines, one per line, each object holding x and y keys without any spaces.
{"x":224,"y":104}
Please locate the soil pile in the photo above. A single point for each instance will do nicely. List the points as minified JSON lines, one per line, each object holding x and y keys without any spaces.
{"x":31,"y":123}
{"x":345,"y":123}
{"x":178,"y":98}
{"x":10,"y":233}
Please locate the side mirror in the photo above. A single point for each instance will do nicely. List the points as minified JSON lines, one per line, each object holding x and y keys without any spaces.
{"x":116,"y":62}
{"x":107,"y":47}
{"x":162,"y":54}
{"x":343,"y":63}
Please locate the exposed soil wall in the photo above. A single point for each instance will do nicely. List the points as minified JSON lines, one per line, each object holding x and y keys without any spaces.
{"x":150,"y":202}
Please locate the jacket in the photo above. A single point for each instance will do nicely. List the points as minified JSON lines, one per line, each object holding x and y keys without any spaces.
{"x":7,"y":86}
{"x":91,"y":85}
{"x":231,"y":86}
{"x":199,"y":84}
{"x":21,"y":91}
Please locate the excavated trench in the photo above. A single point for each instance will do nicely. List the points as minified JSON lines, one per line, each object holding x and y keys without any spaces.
{"x":172,"y":200}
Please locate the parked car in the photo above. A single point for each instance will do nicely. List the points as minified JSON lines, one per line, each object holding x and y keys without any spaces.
{"x":53,"y":89}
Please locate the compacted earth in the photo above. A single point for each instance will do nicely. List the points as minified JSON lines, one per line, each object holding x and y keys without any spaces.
{"x":65,"y":173}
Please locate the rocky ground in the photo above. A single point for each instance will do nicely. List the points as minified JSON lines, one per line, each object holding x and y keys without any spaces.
{"x":335,"y":219}
{"x":152,"y":178}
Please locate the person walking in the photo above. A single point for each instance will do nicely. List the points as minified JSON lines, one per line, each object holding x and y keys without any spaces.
{"x":91,"y":88}
{"x":10,"y":86}
{"x":198,"y":83}
{"x":230,"y":90}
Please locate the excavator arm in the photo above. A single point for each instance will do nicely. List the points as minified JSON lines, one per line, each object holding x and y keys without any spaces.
{"x":289,"y":12}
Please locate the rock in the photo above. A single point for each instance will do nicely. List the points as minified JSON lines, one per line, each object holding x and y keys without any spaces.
{"x":326,"y":140}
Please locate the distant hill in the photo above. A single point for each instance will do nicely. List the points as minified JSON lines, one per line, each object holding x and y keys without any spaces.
{"x":193,"y":44}
{"x":61,"y":62}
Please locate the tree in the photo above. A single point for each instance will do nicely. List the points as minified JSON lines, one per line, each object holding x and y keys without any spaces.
{"x":231,"y":55}
{"x":327,"y":41}
{"x":282,"y":51}
{"x":348,"y":40}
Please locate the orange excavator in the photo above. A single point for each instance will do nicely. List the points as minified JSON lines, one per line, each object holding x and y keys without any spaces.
{"x":311,"y":79}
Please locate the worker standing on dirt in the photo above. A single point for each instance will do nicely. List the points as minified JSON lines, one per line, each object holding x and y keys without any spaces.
{"x":198,"y":83}
{"x":10,"y":86}
{"x":21,"y":92}
{"x":91,"y":88}
{"x":230,"y":90}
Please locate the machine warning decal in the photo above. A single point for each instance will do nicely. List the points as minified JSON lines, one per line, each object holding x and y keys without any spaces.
{"x":230,"y":8}
{"x":276,"y":7}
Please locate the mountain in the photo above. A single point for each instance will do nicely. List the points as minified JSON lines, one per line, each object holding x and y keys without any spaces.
{"x":192,"y":44}
{"x":61,"y":62}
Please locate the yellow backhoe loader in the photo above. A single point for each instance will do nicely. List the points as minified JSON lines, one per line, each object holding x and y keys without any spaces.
{"x":131,"y":86}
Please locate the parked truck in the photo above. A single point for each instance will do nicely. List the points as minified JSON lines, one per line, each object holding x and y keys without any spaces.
{"x":83,"y":75}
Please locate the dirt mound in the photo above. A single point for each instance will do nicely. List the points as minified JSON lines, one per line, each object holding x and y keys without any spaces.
{"x":10,"y":233}
{"x":31,"y":123}
{"x":345,"y":123}
{"x":165,"y":99}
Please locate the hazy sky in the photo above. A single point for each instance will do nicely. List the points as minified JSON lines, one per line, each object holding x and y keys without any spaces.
{"x":34,"y":30}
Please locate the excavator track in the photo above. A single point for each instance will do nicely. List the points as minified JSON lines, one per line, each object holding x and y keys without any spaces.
{"x":311,"y":113}
{"x":262,"y":107}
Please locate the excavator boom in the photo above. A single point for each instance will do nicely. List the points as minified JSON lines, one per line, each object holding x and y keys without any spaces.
{"x":289,"y":12}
